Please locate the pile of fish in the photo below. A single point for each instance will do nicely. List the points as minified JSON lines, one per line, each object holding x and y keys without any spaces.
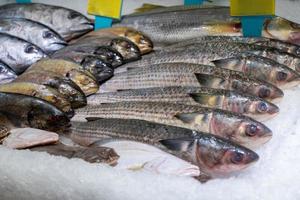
{"x":193,"y":107}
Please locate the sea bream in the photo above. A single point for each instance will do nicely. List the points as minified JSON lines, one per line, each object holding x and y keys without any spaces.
{"x":238,"y":128}
{"x":213,"y":155}
{"x":68,"y":23}
{"x":208,"y":97}
{"x":36,"y":33}
{"x":191,"y":75}
{"x":18,"y":53}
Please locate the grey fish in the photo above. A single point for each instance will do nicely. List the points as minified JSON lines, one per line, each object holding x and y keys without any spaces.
{"x":89,"y":154}
{"x":18,"y":53}
{"x":34,"y":32}
{"x":6,"y":73}
{"x":192,"y":75}
{"x":208,"y":97}
{"x":24,"y":111}
{"x":231,"y":157}
{"x":63,"y":85}
{"x":235,"y":127}
{"x":68,"y":23}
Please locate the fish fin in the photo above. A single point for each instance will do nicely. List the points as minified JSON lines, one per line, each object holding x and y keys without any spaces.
{"x":178,"y":144}
{"x":101,"y":142}
{"x":206,"y":80}
{"x":199,"y":98}
{"x":131,"y":68}
{"x":147,"y":7}
{"x":203,"y":178}
{"x":90,"y":119}
{"x":186,"y":117}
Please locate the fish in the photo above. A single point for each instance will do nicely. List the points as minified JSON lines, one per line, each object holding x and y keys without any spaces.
{"x":71,"y":70}
{"x":233,"y":101}
{"x":192,"y":75}
{"x":137,"y":156}
{"x":238,"y":128}
{"x":40,"y":91}
{"x":88,"y":154}
{"x":138,"y":38}
{"x":17,"y":53}
{"x":21,"y":138}
{"x":63,"y":85}
{"x":28,"y":111}
{"x":99,"y":68}
{"x":4,"y":132}
{"x":34,"y":32}
{"x":66,"y":22}
{"x":214,"y":154}
{"x":128,"y":50}
{"x":6,"y":73}
{"x":105,"y":53}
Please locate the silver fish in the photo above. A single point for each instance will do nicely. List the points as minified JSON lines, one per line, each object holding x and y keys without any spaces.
{"x":18,"y":53}
{"x":6,"y":73}
{"x":34,"y":32}
{"x":68,"y":23}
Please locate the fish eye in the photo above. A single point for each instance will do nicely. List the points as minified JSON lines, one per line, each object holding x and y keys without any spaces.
{"x":47,"y":34}
{"x":262,"y":107}
{"x":2,"y":69}
{"x":30,"y":49}
{"x":264,"y":92}
{"x":73,"y":15}
{"x":281,"y":76}
{"x":251,"y":130}
{"x":237,"y":157}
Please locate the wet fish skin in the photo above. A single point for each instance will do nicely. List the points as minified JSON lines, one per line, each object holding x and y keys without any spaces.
{"x":28,"y":111}
{"x":208,"y":97}
{"x":6,"y":73}
{"x":192,"y":75}
{"x":238,"y":128}
{"x":63,"y":85}
{"x":18,"y":53}
{"x":110,"y":55}
{"x":71,"y":70}
{"x":34,"y":32}
{"x":96,"y":66}
{"x":68,"y":23}
{"x":40,"y":91}
{"x":89,"y":154}
{"x":4,"y":132}
{"x":168,"y":138}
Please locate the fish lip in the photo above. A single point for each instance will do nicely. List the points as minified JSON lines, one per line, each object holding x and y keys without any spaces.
{"x":252,"y":157}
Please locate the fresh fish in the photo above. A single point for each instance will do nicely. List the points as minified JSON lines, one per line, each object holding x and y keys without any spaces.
{"x":63,"y":85}
{"x":40,"y":91}
{"x":235,"y":127}
{"x":68,"y":23}
{"x":89,"y":154}
{"x":105,"y":53}
{"x":192,"y":75}
{"x":138,"y":38}
{"x":73,"y":71}
{"x":34,"y":32}
{"x":21,"y":138}
{"x":214,"y":154}
{"x":18,"y":53}
{"x":175,"y":26}
{"x":6,"y":73}
{"x":24,"y":111}
{"x":261,"y":41}
{"x":208,"y":97}
{"x":4,"y":132}
{"x":128,"y":50}
{"x":96,"y":66}
{"x":137,"y":156}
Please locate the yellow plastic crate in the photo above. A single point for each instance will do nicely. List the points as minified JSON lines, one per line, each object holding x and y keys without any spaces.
{"x":252,"y":7}
{"x":107,"y":8}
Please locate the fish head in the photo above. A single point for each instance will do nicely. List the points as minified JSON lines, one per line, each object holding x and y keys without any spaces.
{"x":126,"y":48}
{"x":240,"y":129}
{"x":43,"y":115}
{"x":142,"y":41}
{"x":31,"y":52}
{"x":6,"y":73}
{"x":84,"y":80}
{"x":282,"y":29}
{"x":51,"y":40}
{"x":261,"y":109}
{"x":109,"y":55}
{"x":100,"y":69}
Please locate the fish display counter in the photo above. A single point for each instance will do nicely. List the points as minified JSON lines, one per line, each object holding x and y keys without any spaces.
{"x":168,"y":103}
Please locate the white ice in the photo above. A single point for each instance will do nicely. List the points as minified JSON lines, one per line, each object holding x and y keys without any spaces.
{"x":276,"y":176}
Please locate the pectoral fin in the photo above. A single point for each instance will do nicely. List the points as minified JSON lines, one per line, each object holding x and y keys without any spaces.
{"x":178,"y":144}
